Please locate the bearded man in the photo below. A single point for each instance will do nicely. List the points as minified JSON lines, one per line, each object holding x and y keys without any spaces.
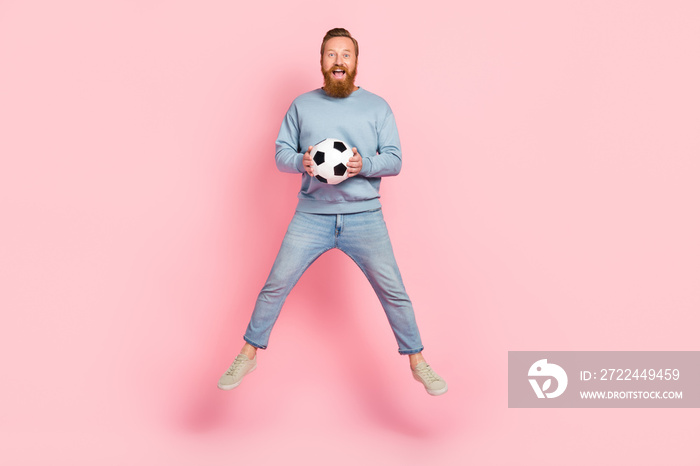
{"x":346,"y":216}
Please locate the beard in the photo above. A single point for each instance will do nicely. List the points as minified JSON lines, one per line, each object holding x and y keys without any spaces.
{"x":339,"y":88}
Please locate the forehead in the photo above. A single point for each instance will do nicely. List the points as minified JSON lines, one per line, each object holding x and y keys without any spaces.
{"x":339,"y":44}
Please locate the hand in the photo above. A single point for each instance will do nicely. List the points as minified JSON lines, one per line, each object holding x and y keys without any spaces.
{"x":354,"y":163}
{"x":308,"y":162}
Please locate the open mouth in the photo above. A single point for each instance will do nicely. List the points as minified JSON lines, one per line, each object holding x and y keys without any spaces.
{"x":338,"y":73}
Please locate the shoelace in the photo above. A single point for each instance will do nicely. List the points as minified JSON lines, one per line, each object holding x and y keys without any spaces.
{"x":427,"y":374}
{"x":237,"y":365}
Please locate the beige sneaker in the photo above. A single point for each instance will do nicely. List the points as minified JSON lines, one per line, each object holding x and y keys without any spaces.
{"x":433,"y":383}
{"x":234,"y":375}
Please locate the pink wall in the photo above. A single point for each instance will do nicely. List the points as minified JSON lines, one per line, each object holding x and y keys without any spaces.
{"x":549,"y":201}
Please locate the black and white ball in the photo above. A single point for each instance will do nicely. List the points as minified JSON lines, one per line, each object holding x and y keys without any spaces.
{"x":330,"y":158}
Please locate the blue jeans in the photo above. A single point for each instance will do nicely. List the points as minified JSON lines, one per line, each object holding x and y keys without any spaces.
{"x":362,"y":236}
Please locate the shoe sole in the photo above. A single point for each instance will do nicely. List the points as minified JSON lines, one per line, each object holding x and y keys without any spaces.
{"x":437,"y":392}
{"x":431,"y":392}
{"x":230,"y":387}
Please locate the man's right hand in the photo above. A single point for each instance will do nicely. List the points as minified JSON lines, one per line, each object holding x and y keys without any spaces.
{"x":308,"y":162}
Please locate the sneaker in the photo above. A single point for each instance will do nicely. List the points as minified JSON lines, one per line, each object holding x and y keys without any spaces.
{"x":433,"y":383}
{"x":234,"y":375}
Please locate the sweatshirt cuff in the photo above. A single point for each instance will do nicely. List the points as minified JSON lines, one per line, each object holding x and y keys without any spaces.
{"x":366,"y":167}
{"x":300,"y":163}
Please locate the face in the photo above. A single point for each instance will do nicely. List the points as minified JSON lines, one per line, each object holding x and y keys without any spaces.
{"x":339,"y":67}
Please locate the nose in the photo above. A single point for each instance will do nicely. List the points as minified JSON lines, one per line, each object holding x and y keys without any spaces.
{"x":338,"y":60}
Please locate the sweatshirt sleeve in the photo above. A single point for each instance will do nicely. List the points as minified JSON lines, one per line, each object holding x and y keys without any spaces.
{"x":287,"y":151}
{"x":387,"y":161}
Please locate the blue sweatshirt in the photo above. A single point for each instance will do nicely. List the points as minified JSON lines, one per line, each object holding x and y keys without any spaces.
{"x":363,"y":120}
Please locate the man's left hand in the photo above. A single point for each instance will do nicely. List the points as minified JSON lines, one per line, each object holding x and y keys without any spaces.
{"x":354,"y":163}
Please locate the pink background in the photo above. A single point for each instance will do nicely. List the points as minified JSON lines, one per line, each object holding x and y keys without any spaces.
{"x":548,"y":201}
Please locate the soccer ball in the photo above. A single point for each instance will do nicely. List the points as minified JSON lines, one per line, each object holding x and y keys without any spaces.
{"x":330,"y":158}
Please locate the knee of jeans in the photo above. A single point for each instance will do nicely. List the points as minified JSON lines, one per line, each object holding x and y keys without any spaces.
{"x":272,"y":290}
{"x":395,"y":295}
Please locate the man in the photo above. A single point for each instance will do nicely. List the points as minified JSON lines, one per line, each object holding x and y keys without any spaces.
{"x":346,"y":216}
